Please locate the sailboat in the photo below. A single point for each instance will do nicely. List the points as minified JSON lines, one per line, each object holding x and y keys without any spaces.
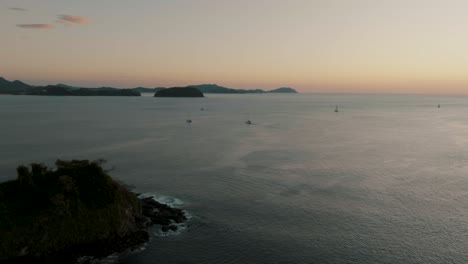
{"x":336,"y":109}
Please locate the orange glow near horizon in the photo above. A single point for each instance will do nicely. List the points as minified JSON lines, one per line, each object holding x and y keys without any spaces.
{"x":355,"y":46}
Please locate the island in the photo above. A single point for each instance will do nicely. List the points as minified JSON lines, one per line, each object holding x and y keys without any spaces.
{"x":283,"y":90}
{"x":179,"y":92}
{"x":75,"y":210}
{"x":21,"y":88}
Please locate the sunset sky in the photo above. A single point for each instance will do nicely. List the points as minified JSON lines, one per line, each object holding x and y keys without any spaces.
{"x":377,"y":46}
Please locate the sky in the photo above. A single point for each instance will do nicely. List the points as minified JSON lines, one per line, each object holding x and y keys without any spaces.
{"x":335,"y":46}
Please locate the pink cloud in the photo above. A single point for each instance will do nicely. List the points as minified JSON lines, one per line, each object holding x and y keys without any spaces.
{"x":74,"y":19}
{"x":36,"y":26}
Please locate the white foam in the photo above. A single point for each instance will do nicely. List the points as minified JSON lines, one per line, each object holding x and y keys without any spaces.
{"x":172,"y":202}
{"x":180,"y":228}
{"x":164,"y":199}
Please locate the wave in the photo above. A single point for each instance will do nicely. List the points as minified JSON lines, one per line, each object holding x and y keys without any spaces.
{"x":172,"y":202}
{"x":164,"y":199}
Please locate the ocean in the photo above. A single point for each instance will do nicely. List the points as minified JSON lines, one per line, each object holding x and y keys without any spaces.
{"x":384,"y":180}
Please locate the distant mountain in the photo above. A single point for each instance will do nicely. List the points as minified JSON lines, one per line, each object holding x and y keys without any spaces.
{"x":18,"y":88}
{"x":67,"y":86}
{"x":64,"y":91}
{"x":14,"y":87}
{"x":283,"y":90}
{"x":213,"y":88}
{"x":179,"y":92}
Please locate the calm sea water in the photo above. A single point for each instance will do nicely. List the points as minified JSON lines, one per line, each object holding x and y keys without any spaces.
{"x":385,"y":180}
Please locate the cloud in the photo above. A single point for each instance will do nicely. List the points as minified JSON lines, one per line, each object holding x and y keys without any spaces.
{"x":81,"y":20}
{"x":36,"y":26}
{"x":18,"y":9}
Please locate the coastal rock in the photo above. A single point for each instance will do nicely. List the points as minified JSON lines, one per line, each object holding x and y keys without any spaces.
{"x":162,"y":214}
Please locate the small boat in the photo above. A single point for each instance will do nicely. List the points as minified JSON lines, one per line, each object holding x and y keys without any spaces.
{"x":248,"y":122}
{"x":336,"y":109}
{"x":202,"y":109}
{"x":189,"y":120}
{"x":438,"y":106}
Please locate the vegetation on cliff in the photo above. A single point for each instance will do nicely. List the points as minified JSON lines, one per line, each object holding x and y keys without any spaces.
{"x":74,"y":210}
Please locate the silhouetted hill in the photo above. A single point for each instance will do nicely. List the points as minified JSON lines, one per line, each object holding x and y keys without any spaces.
{"x":213,"y":88}
{"x":67,"y":86}
{"x":60,"y":90}
{"x":179,"y":92}
{"x":19,"y":88}
{"x":14,"y":87}
{"x":283,"y":90}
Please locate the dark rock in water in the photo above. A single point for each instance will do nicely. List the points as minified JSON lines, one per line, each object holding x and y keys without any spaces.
{"x":75,"y":210}
{"x":162,"y":214}
{"x":167,"y":228}
{"x":179,"y":92}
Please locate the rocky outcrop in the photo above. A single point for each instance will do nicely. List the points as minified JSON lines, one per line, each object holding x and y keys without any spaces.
{"x":75,"y":210}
